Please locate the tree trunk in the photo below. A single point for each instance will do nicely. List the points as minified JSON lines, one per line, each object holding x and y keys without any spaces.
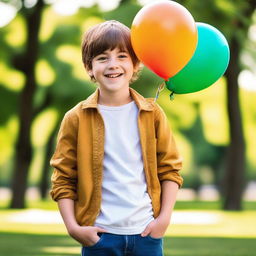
{"x":234,"y":179}
{"x":23,"y":147}
{"x":44,"y":184}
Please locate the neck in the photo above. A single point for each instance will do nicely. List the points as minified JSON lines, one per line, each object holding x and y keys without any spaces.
{"x":114,"y":98}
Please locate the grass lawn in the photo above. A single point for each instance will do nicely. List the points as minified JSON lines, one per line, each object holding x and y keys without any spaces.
{"x":197,"y":229}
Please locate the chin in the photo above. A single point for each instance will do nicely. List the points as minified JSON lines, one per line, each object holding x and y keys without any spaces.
{"x":115,"y":87}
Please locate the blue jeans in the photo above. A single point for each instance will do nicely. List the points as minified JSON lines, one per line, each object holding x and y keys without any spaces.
{"x":125,"y":245}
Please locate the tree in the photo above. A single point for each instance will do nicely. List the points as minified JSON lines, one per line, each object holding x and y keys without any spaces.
{"x":234,"y":19}
{"x":235,"y":171}
{"x":61,"y":95}
{"x":26,"y":63}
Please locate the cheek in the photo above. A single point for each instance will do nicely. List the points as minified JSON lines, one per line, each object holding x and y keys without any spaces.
{"x":132,"y":70}
{"x":97,"y":70}
{"x":129,"y":66}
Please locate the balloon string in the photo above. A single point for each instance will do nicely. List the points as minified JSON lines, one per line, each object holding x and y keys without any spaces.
{"x":159,"y":89}
{"x":172,"y":96}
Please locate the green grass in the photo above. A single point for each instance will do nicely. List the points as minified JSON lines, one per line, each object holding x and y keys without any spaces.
{"x":45,"y":205}
{"x":180,"y":205}
{"x":209,"y":246}
{"x":12,"y":244}
{"x":210,"y":205}
{"x":229,"y":234}
{"x":23,"y":244}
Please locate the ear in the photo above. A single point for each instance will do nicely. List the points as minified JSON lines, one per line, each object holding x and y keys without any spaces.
{"x":138,"y":67}
{"x":90,"y":73}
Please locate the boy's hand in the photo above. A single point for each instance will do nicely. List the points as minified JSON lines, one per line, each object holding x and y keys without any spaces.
{"x":156,"y":228}
{"x":86,"y":236}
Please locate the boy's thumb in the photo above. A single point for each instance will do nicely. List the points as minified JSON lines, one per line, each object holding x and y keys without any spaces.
{"x":145,"y":232}
{"x":101,"y":230}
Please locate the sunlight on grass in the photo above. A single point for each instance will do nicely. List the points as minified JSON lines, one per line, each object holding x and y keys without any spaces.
{"x":191,"y":223}
{"x":62,"y":250}
{"x":197,"y":228}
{"x":43,"y":205}
{"x":8,"y":224}
{"x":196,"y":217}
{"x":35,"y":216}
{"x":224,"y":224}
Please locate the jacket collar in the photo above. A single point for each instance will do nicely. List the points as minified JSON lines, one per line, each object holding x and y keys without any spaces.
{"x":141,"y":102}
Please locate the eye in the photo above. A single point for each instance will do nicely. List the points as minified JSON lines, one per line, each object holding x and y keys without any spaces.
{"x":121,"y":56}
{"x":101,"y":58}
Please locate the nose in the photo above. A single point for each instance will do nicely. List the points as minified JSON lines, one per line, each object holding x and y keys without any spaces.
{"x":113,"y":63}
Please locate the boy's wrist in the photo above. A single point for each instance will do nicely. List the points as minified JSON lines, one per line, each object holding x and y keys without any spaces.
{"x":164,"y":218}
{"x":72,"y":228}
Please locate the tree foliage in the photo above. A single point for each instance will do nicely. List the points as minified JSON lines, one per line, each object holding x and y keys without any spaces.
{"x":43,"y":77}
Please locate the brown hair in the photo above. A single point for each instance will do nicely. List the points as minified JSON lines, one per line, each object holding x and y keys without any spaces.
{"x":104,"y":36}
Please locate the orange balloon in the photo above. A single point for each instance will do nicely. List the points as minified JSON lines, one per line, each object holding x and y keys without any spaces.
{"x":164,"y":37}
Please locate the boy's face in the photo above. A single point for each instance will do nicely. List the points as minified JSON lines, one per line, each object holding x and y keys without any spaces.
{"x":112,"y":69}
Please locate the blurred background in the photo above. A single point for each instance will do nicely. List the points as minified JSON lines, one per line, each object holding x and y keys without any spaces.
{"x":42,"y":77}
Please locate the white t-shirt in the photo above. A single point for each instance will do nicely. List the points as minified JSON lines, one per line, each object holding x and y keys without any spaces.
{"x":126,"y":207}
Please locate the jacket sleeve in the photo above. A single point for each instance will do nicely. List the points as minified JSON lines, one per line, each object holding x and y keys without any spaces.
{"x":169,"y":162}
{"x":64,"y":161}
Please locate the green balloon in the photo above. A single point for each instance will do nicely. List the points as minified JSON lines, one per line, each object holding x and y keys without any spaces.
{"x":207,"y":65}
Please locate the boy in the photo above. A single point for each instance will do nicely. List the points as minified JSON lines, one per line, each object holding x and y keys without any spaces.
{"x":116,"y":164}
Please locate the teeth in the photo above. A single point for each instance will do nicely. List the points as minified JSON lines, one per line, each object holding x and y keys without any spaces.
{"x":113,"y":76}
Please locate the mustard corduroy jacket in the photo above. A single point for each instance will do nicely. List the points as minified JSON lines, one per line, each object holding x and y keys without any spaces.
{"x":78,"y":158}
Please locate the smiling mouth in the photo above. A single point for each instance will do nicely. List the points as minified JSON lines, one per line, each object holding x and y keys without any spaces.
{"x":113,"y":75}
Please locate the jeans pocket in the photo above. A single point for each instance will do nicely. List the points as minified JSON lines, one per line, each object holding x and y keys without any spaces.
{"x":97,"y":243}
{"x":154,"y":238}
